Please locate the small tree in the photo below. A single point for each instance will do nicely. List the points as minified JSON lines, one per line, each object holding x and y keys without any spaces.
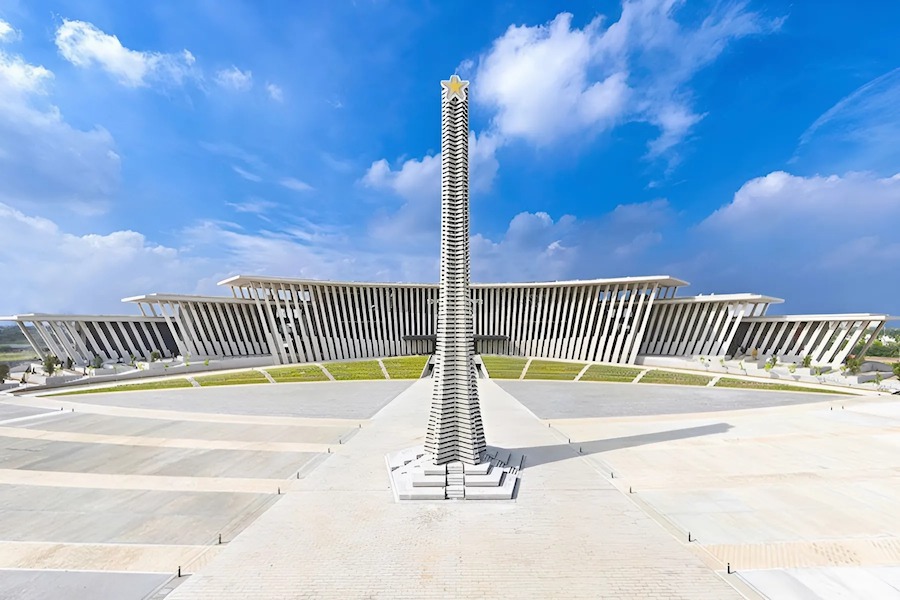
{"x":50,"y":363}
{"x":155,"y":356}
{"x":807,"y":361}
{"x":896,"y":369}
{"x":4,"y":372}
{"x":878,"y":378}
{"x":97,"y":362}
{"x":770,"y":364}
{"x":792,"y":367}
{"x":854,"y":365}
{"x":69,"y":362}
{"x":754,"y":353}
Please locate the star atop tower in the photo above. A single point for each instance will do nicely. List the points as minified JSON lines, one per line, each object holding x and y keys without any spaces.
{"x":455,"y":87}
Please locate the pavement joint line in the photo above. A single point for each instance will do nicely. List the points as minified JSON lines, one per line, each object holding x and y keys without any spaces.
{"x":265,"y":374}
{"x":525,"y":368}
{"x":170,"y":483}
{"x":176,"y":415}
{"x":193,"y":381}
{"x":582,"y":372}
{"x":158,"y":442}
{"x":383,"y":369}
{"x":52,"y":413}
{"x":640,"y":375}
{"x":326,"y":371}
{"x":712,"y":382}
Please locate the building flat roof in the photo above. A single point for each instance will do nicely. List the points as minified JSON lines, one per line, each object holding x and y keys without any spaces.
{"x":721,"y":298}
{"x":249,"y":280}
{"x":57,"y":317}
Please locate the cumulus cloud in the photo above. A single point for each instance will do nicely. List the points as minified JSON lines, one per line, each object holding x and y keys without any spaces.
{"x":7,"y":33}
{"x":546,"y":82}
{"x":234,"y":79}
{"x":84,"y":45}
{"x":275,"y":92}
{"x":57,"y":271}
{"x":43,"y":159}
{"x":418,"y":183}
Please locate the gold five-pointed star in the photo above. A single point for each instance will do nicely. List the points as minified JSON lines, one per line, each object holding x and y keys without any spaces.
{"x":455,"y":87}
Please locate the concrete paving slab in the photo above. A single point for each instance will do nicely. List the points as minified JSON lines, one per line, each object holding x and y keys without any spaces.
{"x":12,"y":411}
{"x":131,"y":426}
{"x":73,"y":457}
{"x":342,"y":400}
{"x":834,"y":583}
{"x":65,"y":585}
{"x":569,"y":534}
{"x":575,"y":400}
{"x":85,"y":515}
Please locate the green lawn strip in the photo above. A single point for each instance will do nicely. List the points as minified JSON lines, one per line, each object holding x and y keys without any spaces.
{"x":548,"y":369}
{"x":405,"y":367}
{"x":345,"y":371}
{"x":610,"y":373}
{"x":504,"y":367}
{"x":236,"y":378}
{"x":297,"y":373}
{"x":18,"y":356}
{"x":728,"y":382}
{"x":675,"y":378}
{"x":133,"y":387}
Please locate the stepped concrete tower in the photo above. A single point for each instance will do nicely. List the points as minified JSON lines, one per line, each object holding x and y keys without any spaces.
{"x":455,"y":432}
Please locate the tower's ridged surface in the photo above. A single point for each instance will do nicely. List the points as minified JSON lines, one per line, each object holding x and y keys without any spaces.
{"x":454,"y":427}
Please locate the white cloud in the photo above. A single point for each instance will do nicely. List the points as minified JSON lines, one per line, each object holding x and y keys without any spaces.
{"x":56,"y":271}
{"x":84,"y":45}
{"x":235,"y":79}
{"x":254,"y":205}
{"x":7,"y":33}
{"x":43,"y":160}
{"x":859,"y":132}
{"x":275,"y":92}
{"x":295,"y":184}
{"x":816,"y":206}
{"x":246,"y":174}
{"x":547,"y":82}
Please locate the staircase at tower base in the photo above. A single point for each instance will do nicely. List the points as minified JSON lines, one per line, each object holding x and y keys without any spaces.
{"x":414,"y":476}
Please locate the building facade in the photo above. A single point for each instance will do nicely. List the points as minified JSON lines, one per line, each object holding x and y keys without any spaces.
{"x":618,"y":321}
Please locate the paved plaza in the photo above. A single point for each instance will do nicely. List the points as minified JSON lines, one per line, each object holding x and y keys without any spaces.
{"x":797,"y":492}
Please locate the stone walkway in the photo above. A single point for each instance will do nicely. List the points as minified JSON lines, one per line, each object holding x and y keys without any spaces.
{"x":570,"y":534}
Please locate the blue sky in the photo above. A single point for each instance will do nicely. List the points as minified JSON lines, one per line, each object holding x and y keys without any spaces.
{"x":163,"y":146}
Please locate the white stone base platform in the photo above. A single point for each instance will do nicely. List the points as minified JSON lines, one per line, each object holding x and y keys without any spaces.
{"x":414,"y":476}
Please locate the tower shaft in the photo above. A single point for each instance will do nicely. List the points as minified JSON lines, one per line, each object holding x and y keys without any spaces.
{"x":455,"y":432}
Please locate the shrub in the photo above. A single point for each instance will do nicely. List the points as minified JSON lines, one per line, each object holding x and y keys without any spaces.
{"x":770,"y":364}
{"x":754,"y":353}
{"x":807,"y":361}
{"x":4,"y":372}
{"x":854,"y":365}
{"x":878,"y":378}
{"x":155,"y":356}
{"x":792,"y":367}
{"x":896,"y":369}
{"x":97,"y":362}
{"x":206,"y":363}
{"x":50,"y":363}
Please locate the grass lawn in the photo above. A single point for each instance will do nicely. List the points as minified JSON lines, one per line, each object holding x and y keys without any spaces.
{"x":133,"y":387}
{"x":236,"y":378}
{"x":504,"y":367}
{"x":727,"y":382}
{"x":405,"y":367}
{"x":364,"y":369}
{"x":297,"y":373}
{"x":610,"y":373}
{"x":14,"y":356}
{"x":548,"y":369}
{"x":675,"y":378}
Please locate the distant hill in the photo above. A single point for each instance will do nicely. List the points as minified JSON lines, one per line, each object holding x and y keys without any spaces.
{"x":10,"y":334}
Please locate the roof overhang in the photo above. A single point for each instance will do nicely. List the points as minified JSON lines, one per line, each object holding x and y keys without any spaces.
{"x":758,"y":298}
{"x":252,"y":280}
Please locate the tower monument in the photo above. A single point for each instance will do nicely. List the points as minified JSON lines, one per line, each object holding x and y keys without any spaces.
{"x":454,"y":463}
{"x":455,"y":431}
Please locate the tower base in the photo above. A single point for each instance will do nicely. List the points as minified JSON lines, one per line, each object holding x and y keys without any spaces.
{"x":414,"y":476}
